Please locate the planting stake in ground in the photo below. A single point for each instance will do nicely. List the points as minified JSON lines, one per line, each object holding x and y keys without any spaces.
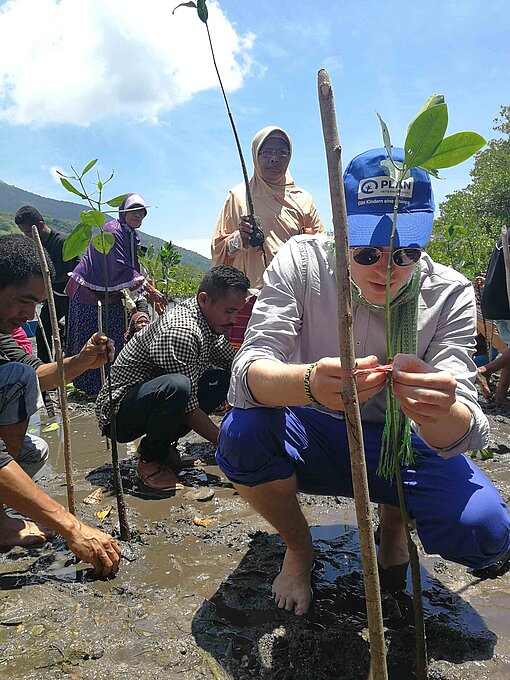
{"x":60,"y":363}
{"x":74,"y":245}
{"x":349,"y":393}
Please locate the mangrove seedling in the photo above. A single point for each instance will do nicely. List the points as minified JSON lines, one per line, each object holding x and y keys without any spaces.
{"x":257,"y":235}
{"x":90,"y":229}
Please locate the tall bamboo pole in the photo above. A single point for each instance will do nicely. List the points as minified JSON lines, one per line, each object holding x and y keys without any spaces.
{"x":60,"y":363}
{"x":349,"y":393}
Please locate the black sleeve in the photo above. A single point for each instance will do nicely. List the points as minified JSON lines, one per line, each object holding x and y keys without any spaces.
{"x":11,"y":351}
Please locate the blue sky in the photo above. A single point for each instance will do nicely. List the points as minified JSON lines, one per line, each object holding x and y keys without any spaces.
{"x":132,"y":85}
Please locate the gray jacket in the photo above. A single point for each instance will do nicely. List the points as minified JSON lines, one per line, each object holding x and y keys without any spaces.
{"x":295,"y":321}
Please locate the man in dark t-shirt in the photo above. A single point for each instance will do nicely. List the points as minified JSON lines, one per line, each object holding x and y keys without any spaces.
{"x":21,"y":288}
{"x":53,"y":242}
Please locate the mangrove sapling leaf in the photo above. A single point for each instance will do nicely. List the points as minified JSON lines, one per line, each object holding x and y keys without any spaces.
{"x":431,"y":171}
{"x":390,"y":169}
{"x":425,"y":135}
{"x":69,"y":187}
{"x":77,"y":241}
{"x":99,"y":185}
{"x":202,"y":11}
{"x":386,"y":137}
{"x":117,"y":201}
{"x":104,"y":242}
{"x":88,"y":167}
{"x":433,"y":100}
{"x":185,"y":4}
{"x":455,"y":149}
{"x":95,"y":218}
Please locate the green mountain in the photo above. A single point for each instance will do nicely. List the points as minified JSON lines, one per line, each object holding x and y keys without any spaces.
{"x":64,"y":215}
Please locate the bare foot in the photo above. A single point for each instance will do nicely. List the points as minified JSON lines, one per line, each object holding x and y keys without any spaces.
{"x":15,"y":531}
{"x":292,"y":587}
{"x":483,"y":383}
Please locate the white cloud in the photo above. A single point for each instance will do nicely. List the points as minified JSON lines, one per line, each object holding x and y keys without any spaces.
{"x":64,"y":61}
{"x":54,"y":172}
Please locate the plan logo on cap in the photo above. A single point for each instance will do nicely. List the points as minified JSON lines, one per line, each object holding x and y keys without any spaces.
{"x":370,"y":195}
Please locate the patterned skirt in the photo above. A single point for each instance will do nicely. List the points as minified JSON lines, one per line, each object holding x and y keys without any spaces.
{"x":81,"y":324}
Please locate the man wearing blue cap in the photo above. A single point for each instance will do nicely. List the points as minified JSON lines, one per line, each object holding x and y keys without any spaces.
{"x":286,"y":432}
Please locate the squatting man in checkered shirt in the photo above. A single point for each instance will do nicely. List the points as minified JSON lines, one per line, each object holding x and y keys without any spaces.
{"x":173,"y":373}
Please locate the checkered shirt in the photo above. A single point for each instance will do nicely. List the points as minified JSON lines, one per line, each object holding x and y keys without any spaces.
{"x":180,"y":341}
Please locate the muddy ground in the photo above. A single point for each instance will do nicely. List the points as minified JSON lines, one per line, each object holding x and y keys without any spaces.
{"x":194,"y":601}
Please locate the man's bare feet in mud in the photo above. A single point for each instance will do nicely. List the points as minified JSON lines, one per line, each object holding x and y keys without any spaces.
{"x":292,"y":587}
{"x":22,"y":532}
{"x":482,"y":380}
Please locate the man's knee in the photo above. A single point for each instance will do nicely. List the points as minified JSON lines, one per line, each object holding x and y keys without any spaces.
{"x":33,"y":456}
{"x":174,"y":388}
{"x":19,"y":392}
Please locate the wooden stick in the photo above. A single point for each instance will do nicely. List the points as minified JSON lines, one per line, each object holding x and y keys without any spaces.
{"x":60,"y":363}
{"x":101,"y":368}
{"x":349,"y":393}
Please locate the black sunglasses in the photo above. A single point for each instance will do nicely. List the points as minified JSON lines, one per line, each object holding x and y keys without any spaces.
{"x":402,"y":257}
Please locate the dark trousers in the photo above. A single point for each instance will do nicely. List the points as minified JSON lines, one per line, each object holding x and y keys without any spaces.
{"x":156,"y":409}
{"x":61,"y":305}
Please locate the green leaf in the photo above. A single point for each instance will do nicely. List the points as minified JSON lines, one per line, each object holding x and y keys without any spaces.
{"x":93,"y":217}
{"x":202,"y":10}
{"x":77,"y":241}
{"x":390,"y":169}
{"x":72,"y":189}
{"x":117,"y":201}
{"x":99,"y":184}
{"x":430,"y":171}
{"x":424,"y":135}
{"x":433,"y":100}
{"x":88,"y":167}
{"x":185,"y":4}
{"x":106,"y":238}
{"x":385,"y":136}
{"x":51,"y":427}
{"x":455,"y":149}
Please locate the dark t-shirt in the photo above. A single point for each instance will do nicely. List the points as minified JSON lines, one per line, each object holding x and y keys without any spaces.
{"x":494,"y":300}
{"x":54,"y":245}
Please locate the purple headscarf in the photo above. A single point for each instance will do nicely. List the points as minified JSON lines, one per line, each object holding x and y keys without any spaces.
{"x":122,"y":260}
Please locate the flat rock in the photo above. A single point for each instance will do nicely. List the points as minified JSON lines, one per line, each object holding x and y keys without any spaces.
{"x":202,"y":494}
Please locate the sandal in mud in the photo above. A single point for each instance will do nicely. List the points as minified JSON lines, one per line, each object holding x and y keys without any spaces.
{"x":494,"y":570}
{"x":157,"y":476}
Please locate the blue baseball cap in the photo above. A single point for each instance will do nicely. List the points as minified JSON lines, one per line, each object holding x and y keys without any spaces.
{"x":370,"y":193}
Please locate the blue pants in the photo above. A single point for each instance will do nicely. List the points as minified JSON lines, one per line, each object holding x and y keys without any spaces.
{"x":459,"y":514}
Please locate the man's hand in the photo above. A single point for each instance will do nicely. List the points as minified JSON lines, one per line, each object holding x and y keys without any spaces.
{"x":98,"y":549}
{"x":93,"y":352}
{"x":325,"y":381}
{"x":426,"y":394}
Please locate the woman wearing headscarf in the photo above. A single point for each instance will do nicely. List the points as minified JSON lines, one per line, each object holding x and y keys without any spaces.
{"x":87,"y":286}
{"x":138,"y":321}
{"x":284,"y":209}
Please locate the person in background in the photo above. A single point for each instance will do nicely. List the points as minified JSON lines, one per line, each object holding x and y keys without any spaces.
{"x":285,"y":210}
{"x":138,"y":321}
{"x":87,"y":286}
{"x":53,"y":242}
{"x":22,"y":455}
{"x":286,"y":431}
{"x":172,"y":374}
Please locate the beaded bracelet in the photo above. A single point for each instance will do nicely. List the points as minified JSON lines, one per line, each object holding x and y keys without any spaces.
{"x":306,"y":383}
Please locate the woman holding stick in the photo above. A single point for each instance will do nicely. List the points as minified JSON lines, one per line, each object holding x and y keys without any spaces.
{"x":284,"y":209}
{"x":87,"y":285}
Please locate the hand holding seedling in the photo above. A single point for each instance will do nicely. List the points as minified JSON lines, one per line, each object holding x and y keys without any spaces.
{"x":325,"y":381}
